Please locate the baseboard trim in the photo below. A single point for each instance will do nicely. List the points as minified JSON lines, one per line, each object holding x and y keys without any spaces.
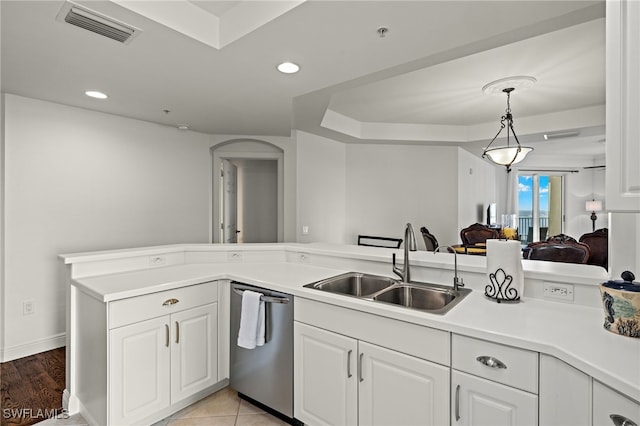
{"x":32,"y":348}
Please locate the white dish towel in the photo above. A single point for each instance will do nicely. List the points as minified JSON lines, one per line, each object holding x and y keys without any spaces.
{"x":251,"y":333}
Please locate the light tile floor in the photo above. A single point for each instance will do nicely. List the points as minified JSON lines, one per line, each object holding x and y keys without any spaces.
{"x":223,"y":408}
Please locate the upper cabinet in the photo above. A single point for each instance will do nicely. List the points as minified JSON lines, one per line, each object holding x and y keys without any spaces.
{"x":623,"y":105}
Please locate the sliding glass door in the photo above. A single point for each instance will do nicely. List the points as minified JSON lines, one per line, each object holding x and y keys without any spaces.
{"x":540,"y":206}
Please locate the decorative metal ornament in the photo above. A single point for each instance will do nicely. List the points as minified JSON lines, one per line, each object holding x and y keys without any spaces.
{"x":500,"y":287}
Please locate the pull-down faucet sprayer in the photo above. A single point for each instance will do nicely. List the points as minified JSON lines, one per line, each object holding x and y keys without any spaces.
{"x":409,"y":244}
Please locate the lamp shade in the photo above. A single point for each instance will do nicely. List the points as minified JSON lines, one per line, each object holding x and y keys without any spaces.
{"x":508,"y":155}
{"x":594,"y":206}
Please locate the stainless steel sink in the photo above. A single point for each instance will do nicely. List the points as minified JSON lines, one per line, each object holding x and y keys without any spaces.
{"x":433,"y":298}
{"x":427,"y":297}
{"x":354,"y":284}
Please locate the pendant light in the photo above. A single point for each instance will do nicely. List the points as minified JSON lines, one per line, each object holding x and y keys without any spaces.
{"x":511,"y":153}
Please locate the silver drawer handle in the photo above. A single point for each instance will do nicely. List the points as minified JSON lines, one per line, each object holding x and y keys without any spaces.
{"x":490,"y":361}
{"x":170,"y":302}
{"x":619,"y":420}
{"x":457,"y":403}
{"x":360,"y":376}
{"x":265,"y":298}
{"x":349,"y":363}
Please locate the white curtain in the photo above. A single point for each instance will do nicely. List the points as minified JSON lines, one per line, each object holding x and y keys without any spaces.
{"x":512,"y":191}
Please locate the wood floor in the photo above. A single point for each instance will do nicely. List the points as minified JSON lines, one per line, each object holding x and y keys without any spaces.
{"x":31,"y":388}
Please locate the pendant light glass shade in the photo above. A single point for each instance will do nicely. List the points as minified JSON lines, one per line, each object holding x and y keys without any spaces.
{"x":509,"y":154}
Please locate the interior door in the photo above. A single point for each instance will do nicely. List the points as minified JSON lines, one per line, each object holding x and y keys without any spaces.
{"x":229,"y":202}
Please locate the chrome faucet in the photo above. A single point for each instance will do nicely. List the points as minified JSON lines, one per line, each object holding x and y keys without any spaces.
{"x":457,"y":282}
{"x":409,"y":244}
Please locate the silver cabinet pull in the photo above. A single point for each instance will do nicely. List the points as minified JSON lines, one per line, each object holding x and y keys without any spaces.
{"x":170,"y":302}
{"x":457,"y":403}
{"x":619,"y":420}
{"x":166,"y":329}
{"x":349,"y":363}
{"x":360,"y":367}
{"x":490,"y":361}
{"x":177,"y":332}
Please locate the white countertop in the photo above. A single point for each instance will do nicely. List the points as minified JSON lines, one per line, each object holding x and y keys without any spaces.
{"x":572,"y":333}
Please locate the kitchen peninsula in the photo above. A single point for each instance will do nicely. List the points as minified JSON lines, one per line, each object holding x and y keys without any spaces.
{"x":109,"y":291}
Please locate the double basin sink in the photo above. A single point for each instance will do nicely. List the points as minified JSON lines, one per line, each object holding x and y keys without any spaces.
{"x":431,"y":298}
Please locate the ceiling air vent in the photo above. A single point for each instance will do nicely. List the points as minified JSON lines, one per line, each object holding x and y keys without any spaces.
{"x":82,"y":17}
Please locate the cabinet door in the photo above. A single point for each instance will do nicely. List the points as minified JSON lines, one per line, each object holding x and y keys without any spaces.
{"x":139,"y":383}
{"x":565,"y":394}
{"x":325,"y":377}
{"x":477,"y":401}
{"x":613,"y":409}
{"x":398,"y":389}
{"x":623,"y":106}
{"x":194,"y":350}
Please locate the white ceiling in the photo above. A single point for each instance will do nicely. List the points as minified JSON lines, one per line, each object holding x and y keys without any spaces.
{"x":421,"y":83}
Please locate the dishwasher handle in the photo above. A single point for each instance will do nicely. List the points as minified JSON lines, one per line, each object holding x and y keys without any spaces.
{"x":265,"y":298}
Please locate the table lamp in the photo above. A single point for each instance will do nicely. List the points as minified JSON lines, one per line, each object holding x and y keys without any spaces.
{"x":594,"y":206}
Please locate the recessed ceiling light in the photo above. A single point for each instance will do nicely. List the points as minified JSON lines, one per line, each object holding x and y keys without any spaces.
{"x":95,"y":94}
{"x":183,"y":127}
{"x":288,"y":68}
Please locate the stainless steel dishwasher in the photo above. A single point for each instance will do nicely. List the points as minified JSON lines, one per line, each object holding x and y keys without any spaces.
{"x":265,"y":373}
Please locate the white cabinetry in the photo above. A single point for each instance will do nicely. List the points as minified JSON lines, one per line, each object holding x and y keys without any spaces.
{"x":344,"y":380}
{"x":140,"y":379}
{"x":161,"y":361}
{"x":479,"y":401}
{"x":565,"y":394}
{"x":623,"y":105}
{"x":325,"y":384}
{"x":146,"y":356}
{"x":194,"y":350}
{"x":613,"y":409}
{"x":398,"y":389}
{"x":492,"y":384}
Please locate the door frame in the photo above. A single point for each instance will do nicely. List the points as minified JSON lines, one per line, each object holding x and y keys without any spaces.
{"x":216,"y":199}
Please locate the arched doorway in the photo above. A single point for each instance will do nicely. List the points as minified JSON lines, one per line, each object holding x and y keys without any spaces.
{"x":247,"y":192}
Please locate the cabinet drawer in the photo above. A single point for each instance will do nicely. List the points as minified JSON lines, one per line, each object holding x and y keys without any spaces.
{"x":134,"y":309}
{"x":508,"y":365}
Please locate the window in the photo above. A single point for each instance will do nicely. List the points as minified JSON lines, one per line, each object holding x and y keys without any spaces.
{"x":540,"y":206}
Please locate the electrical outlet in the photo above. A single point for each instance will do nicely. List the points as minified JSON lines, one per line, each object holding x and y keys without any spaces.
{"x":234,"y":256}
{"x":557,"y":291}
{"x":303,"y":257}
{"x":157,"y":260}
{"x":305,"y":229}
{"x":28,"y":307}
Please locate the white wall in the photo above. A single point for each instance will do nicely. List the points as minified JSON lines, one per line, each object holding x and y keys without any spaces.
{"x":77,"y":180}
{"x":321,"y":189}
{"x":476,"y":188}
{"x":258,"y":201}
{"x":582,"y":187}
{"x":2,"y":203}
{"x":390,"y":185}
{"x":624,"y":244}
